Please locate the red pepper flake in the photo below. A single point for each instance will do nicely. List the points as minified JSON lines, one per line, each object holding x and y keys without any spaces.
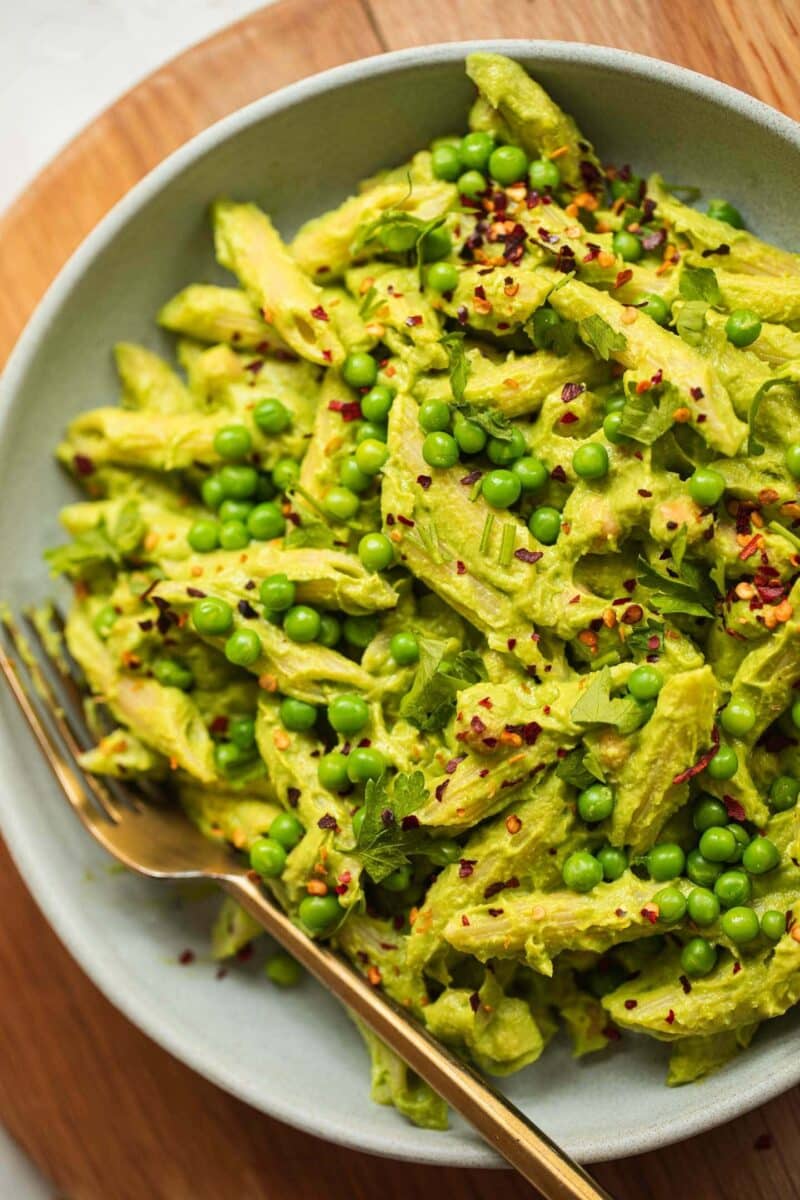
{"x":737,"y":966}
{"x":477,"y":725}
{"x":424,"y":481}
{"x":462,"y":314}
{"x":650,"y":913}
{"x":593,"y":251}
{"x":453,"y":763}
{"x":569,"y":418}
{"x":390,"y":519}
{"x":546,"y":710}
{"x":651,"y":241}
{"x":734,"y":809}
{"x":471,"y":478}
{"x":623,"y":277}
{"x":186,"y":957}
{"x":702,"y":761}
{"x":409,"y":524}
{"x":571,"y":391}
{"x":327,"y":355}
{"x":575,"y":599}
{"x":254,"y":366}
{"x":466,"y":867}
{"x":612,"y":1033}
{"x":245,"y":953}
{"x":528,"y":731}
{"x":319,"y":313}
{"x":631,"y":1004}
{"x":484,"y":771}
{"x":348,"y":410}
{"x":464,"y":919}
{"x":327,"y":821}
{"x":480,"y":292}
{"x":763,"y":1142}
{"x":629,"y":585}
{"x":696,"y":393}
{"x":559,"y":474}
{"x":500,"y":886}
{"x":511,"y":643}
{"x":485,"y":702}
{"x":410,"y":822}
{"x":441,"y":789}
{"x":748,"y":550}
{"x":474,"y":1002}
{"x":414,"y":320}
{"x":528,"y":556}
{"x":670,"y":1017}
{"x":460,"y":568}
{"x":644,"y":492}
{"x":495,"y":912}
{"x":619,"y":912}
{"x":684,"y":982}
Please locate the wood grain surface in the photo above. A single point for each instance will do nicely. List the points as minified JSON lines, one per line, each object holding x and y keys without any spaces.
{"x":104,"y":1112}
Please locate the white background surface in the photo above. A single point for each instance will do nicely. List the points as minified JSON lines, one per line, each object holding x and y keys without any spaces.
{"x":61,"y":63}
{"x":64,"y":61}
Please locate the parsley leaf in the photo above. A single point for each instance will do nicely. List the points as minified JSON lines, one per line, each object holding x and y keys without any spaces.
{"x":88,"y":549}
{"x":431,"y":701}
{"x":639,"y":640}
{"x":597,"y":707}
{"x":371,"y":302}
{"x":383,"y":845}
{"x":313,"y":533}
{"x":678,"y":546}
{"x":459,"y":366}
{"x":700,"y":283}
{"x":573,"y":770}
{"x":647,"y":415}
{"x":558,"y":338}
{"x":494,"y":423}
{"x":688,"y":595}
{"x":602,"y":338}
{"x":690,"y":322}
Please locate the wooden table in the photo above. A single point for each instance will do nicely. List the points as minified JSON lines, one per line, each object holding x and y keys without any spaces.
{"x":105,"y":1113}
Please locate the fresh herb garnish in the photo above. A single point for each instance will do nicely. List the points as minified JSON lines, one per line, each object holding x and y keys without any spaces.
{"x":458,"y":364}
{"x":700,"y":283}
{"x":690,"y":322}
{"x":431,"y":701}
{"x":383,"y":844}
{"x":638,"y":642}
{"x":597,"y":707}
{"x":649,"y":414}
{"x":689,"y":595}
{"x":494,"y":424}
{"x":507,"y":544}
{"x":604,"y":340}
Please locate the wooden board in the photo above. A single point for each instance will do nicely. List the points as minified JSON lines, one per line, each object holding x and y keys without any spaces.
{"x":104,"y":1112}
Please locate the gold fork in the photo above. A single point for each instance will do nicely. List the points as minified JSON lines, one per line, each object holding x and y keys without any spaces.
{"x":161,"y":843}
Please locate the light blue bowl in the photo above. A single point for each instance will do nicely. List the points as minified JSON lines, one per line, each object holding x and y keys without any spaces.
{"x":297,"y":153}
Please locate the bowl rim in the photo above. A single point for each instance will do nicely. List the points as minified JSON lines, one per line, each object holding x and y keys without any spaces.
{"x":103,"y":968}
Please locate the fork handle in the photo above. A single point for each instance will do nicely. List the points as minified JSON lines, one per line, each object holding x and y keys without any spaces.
{"x":500,"y":1123}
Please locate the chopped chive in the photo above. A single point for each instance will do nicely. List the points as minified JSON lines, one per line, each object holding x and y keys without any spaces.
{"x":507,"y":544}
{"x":476,"y":490}
{"x":487,"y":533}
{"x":309,"y":499}
{"x":776,"y":527}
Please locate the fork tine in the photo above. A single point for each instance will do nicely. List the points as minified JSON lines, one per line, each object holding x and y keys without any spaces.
{"x":75,"y":786}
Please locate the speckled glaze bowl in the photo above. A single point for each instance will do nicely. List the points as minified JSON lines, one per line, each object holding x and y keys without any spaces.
{"x":299,"y":152}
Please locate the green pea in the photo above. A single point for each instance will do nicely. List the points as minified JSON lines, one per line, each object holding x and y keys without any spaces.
{"x":399,"y":238}
{"x":404,"y":648}
{"x":614,"y":403}
{"x":436,"y":244}
{"x":319,"y":913}
{"x":581,"y":871}
{"x":722,"y":210}
{"x":793,"y":459}
{"x":377,"y":403}
{"x":671,"y":905}
{"x":286,"y":830}
{"x":341,"y":504}
{"x":203,"y":536}
{"x":543,"y":175}
{"x":590,"y":461}
{"x":233,"y":441}
{"x":505,"y":451}
{"x":471,"y":184}
{"x":629,"y":189}
{"x":434,"y":416}
{"x":360,"y":369}
{"x":773,"y":924}
{"x":376,"y":551}
{"x":398,"y":880}
{"x":348,"y":714}
{"x":277,"y":593}
{"x":783,"y":793}
{"x":285,"y":474}
{"x":700,"y":870}
{"x":228,"y":756}
{"x":706,"y":486}
{"x":645,"y":682}
{"x":531,"y":472}
{"x":614,"y":862}
{"x":795,"y":714}
{"x":476,"y":149}
{"x":742,"y":327}
{"x":545,"y":524}
{"x":330,"y":631}
{"x":612,"y":427}
{"x":212,"y":617}
{"x":742,"y":840}
{"x":718,"y":844}
{"x":595,"y":803}
{"x":702,"y":906}
{"x":501,"y":488}
{"x":732,"y":888}
{"x":267,"y":857}
{"x":265,"y":489}
{"x":370,"y":456}
{"x":665,"y":861}
{"x":332,"y":771}
{"x":698,"y":957}
{"x":104,"y":620}
{"x":212,"y":491}
{"x":470,"y":436}
{"x":508,"y":164}
{"x":352,"y":477}
{"x":242,"y":732}
{"x":724,"y":764}
{"x":238,"y":482}
{"x":233,"y":535}
{"x":627,"y":246}
{"x":440,"y":450}
{"x":760,"y":856}
{"x":235,"y":510}
{"x":445,"y":851}
{"x":446,"y":163}
{"x":709,"y":812}
{"x":358,"y":820}
{"x":738,"y":716}
{"x":296,"y":715}
{"x":545,"y":321}
{"x":442,"y":277}
{"x":740,"y":924}
{"x":302,"y":624}
{"x":371,"y":431}
{"x":363,"y":763}
{"x":656,"y":308}
{"x":243,"y":648}
{"x":271,"y":416}
{"x":171,"y":673}
{"x":283,"y":970}
{"x":266,"y":521}
{"x":360,"y":631}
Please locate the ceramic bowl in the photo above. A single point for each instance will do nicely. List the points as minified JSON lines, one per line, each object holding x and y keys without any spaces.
{"x":297,"y":153}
